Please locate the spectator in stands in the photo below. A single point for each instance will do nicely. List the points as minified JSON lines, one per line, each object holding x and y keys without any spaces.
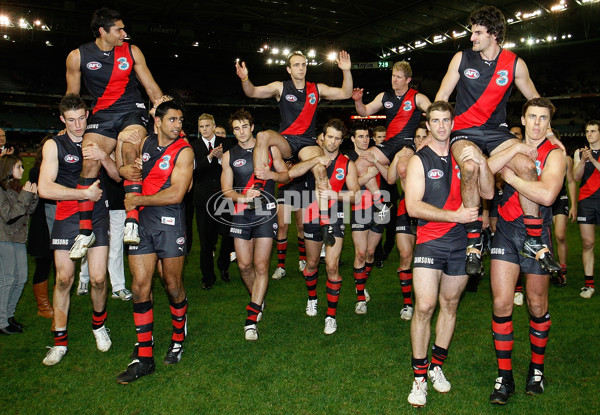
{"x":5,"y":148}
{"x":16,"y":204}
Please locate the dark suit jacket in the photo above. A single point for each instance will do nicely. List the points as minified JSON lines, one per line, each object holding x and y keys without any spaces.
{"x":207,"y":175}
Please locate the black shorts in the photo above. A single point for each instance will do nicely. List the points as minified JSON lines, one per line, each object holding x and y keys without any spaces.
{"x":561,"y":206}
{"x":404,"y":223}
{"x":291,"y":194}
{"x":298,"y":142}
{"x":110,"y":123}
{"x":507,"y":244}
{"x":495,"y":202}
{"x":588,"y":212}
{"x":486,"y":139}
{"x":248,"y":225}
{"x":66,"y":230}
{"x":363,"y":220}
{"x":165,"y":243}
{"x":312,"y":231}
{"x":390,"y":147}
{"x":441,"y":255}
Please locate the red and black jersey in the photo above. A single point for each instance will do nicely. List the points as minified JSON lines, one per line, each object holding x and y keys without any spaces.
{"x":157,"y":167}
{"x":589,"y":188}
{"x":109,"y":77}
{"x":337,"y":172}
{"x":442,"y":190}
{"x":70,"y":161}
{"x":298,"y":109}
{"x":483,"y":89}
{"x":242,"y":165}
{"x":510,"y":209}
{"x":401,"y":113}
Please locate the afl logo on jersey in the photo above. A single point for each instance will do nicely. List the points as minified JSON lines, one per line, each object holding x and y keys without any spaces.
{"x":239,"y":163}
{"x":93,"y":66}
{"x":388,"y":104}
{"x":165,"y":163}
{"x":145,"y":157}
{"x":312,"y":98}
{"x":123,"y":64}
{"x":71,"y":158}
{"x":180,"y":241}
{"x":291,"y":98}
{"x":471,"y":73}
{"x":435,"y":174}
{"x":339,"y":174}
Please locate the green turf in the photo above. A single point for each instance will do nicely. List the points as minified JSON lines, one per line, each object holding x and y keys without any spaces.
{"x":294,"y":368}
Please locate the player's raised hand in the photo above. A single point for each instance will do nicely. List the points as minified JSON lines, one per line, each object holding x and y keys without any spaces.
{"x":343,"y":61}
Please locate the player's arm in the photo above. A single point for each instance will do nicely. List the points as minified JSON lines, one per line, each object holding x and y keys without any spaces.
{"x":47,"y":186}
{"x":571,"y":188}
{"x":450,"y":79}
{"x":144,"y":75}
{"x":578,"y":165}
{"x":423,"y":102}
{"x":272,"y":90}
{"x":353,"y":194}
{"x":281,"y":173}
{"x":368,"y":109}
{"x":299,"y":169}
{"x":345,"y":92}
{"x":74,"y":72}
{"x":523,"y":81}
{"x":544,"y":190}
{"x":94,"y":152}
{"x":498,"y":160}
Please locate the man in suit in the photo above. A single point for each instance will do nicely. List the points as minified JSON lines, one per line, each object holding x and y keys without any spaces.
{"x":208,"y":150}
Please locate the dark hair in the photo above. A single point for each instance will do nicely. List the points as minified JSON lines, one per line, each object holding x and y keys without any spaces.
{"x":336,"y":124}
{"x":71,"y":102}
{"x":593,"y":122}
{"x":7,"y":165}
{"x":492,"y":19}
{"x":291,"y":55}
{"x":104,"y":18}
{"x":421,"y":125}
{"x":358,"y":126}
{"x":164,"y":107}
{"x":539,"y":102}
{"x":439,"y":106}
{"x":240,"y":115}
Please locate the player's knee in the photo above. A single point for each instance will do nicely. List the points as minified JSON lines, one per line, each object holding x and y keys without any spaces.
{"x":360,"y":255}
{"x":245,"y":268}
{"x":405,"y":260}
{"x":401,"y":169}
{"x":64,"y":282}
{"x":469,"y":170}
{"x":503,"y":306}
{"x":526,"y":168}
{"x":424,"y":308}
{"x":332,"y":269}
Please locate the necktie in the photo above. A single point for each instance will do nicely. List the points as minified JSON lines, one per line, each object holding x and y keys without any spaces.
{"x":210,"y":147}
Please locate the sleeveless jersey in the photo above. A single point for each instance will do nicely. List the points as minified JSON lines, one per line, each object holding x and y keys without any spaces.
{"x":70,"y":161}
{"x":510,"y":209}
{"x":442,"y":190}
{"x":298,"y":109}
{"x":110,"y":78}
{"x":241,"y":163}
{"x":483,"y":89}
{"x":158,"y":164}
{"x":589,"y":188}
{"x":336,"y":173}
{"x":401,"y":114}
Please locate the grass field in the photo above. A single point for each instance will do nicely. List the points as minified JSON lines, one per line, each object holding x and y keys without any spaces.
{"x":294,"y":368}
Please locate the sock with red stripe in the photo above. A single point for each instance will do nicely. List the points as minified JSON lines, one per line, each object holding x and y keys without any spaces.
{"x":143,"y":319}
{"x":98,"y":319}
{"x":179,"y":320}
{"x":133,"y":187}
{"x":333,"y":295}
{"x":281,"y":252}
{"x":311,"y":283}
{"x":369,"y":268}
{"x":61,"y":337}
{"x":438,"y":355}
{"x":85,"y":207}
{"x":420,"y":367}
{"x":253,"y":311}
{"x":533,"y":226}
{"x":360,"y":279}
{"x":519,"y":286}
{"x":301,"y":249}
{"x":589,"y":281}
{"x":539,"y":327}
{"x":406,"y":277}
{"x":502,"y":329}
{"x":474,"y":233}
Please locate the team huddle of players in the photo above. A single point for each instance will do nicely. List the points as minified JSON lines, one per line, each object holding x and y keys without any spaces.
{"x":446,"y":167}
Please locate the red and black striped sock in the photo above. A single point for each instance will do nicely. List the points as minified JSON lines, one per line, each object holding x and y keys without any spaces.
{"x":133,"y":187}
{"x":301,"y":249}
{"x":589,"y":281}
{"x":539,"y":327}
{"x":311,"y":283}
{"x":333,"y":295}
{"x":420,"y":367}
{"x":474,"y":232}
{"x":519,"y":286}
{"x":179,"y":320}
{"x":98,"y":318}
{"x":369,"y":268}
{"x":438,"y":355}
{"x":406,"y":277}
{"x":502,"y":329}
{"x":281,"y":252}
{"x":61,"y":337}
{"x":253,"y":310}
{"x":143,"y":318}
{"x":360,"y":279}
{"x":85,"y":207}
{"x":533,"y":226}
